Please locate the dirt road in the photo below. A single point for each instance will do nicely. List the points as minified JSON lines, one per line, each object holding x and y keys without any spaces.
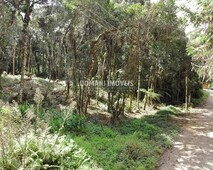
{"x":193,"y":149}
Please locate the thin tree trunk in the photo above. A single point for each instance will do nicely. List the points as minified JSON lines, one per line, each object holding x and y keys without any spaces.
{"x":29,"y":58}
{"x":14,"y":59}
{"x":25,"y":39}
{"x":145,"y":102}
{"x":0,"y":83}
{"x":130,"y":102}
{"x":24,"y":59}
{"x":186,"y":93}
{"x":139,"y":84}
{"x":139,"y":67}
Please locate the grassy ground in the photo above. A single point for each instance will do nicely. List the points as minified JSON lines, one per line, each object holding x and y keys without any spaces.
{"x":133,"y":144}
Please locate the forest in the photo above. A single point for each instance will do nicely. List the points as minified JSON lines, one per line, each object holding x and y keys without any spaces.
{"x":99,"y":84}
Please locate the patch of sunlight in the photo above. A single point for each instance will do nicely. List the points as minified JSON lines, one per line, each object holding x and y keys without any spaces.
{"x":188,"y":153}
{"x":207,"y":113}
{"x":210,"y":134}
{"x":205,"y":168}
{"x":180,"y":160}
{"x":210,"y":163}
{"x":201,"y":134}
{"x":195,"y":161}
{"x":181,"y":167}
{"x":197,"y":127}
{"x":179,"y":145}
{"x":191,"y":146}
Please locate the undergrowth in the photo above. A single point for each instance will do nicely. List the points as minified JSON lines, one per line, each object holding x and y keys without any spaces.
{"x":44,"y":139}
{"x":25,"y":143}
{"x":134,"y":144}
{"x":202,"y":97}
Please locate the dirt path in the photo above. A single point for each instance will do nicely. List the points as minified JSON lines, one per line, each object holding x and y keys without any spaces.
{"x":193,"y":149}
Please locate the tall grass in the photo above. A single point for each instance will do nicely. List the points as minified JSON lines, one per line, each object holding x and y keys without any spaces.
{"x":25,"y":143}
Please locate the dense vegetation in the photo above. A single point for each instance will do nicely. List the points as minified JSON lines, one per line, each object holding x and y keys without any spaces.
{"x":66,"y":63}
{"x":102,"y":41}
{"x":133,"y":144}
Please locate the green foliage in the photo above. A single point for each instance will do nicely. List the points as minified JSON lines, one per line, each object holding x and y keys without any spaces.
{"x":200,"y":98}
{"x":47,"y":151}
{"x":169,"y":110}
{"x":151,"y":94}
{"x":23,"y":108}
{"x":69,"y":122}
{"x":133,"y":144}
{"x":75,"y":122}
{"x":27,"y":148}
{"x":135,"y":9}
{"x":71,"y":4}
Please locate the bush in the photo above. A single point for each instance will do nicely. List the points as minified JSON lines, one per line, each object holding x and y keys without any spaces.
{"x":25,"y":147}
{"x":43,"y":151}
{"x":201,"y":97}
{"x":169,"y":110}
{"x":75,"y":123}
{"x":67,"y":122}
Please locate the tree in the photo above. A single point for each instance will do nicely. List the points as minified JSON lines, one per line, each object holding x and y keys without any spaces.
{"x":201,"y":40}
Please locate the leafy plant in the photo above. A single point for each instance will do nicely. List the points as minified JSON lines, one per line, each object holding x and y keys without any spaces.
{"x":24,"y":147}
{"x":23,"y":108}
{"x":75,"y":122}
{"x":151,"y":94}
{"x":68,"y":122}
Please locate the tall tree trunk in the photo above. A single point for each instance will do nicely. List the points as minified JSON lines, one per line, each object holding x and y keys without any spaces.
{"x":145,"y":102}
{"x":186,"y":92}
{"x":24,"y":59}
{"x":139,"y":66}
{"x":25,"y":39}
{"x":14,"y":58}
{"x":29,"y":58}
{"x":0,"y":82}
{"x":130,"y":102}
{"x":139,"y":84}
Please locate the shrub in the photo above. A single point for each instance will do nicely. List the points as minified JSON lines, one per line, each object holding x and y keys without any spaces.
{"x":169,"y":110}
{"x":66,"y":121}
{"x":75,"y":122}
{"x":24,"y":147}
{"x":200,"y":98}
{"x":23,"y":108}
{"x":43,"y":151}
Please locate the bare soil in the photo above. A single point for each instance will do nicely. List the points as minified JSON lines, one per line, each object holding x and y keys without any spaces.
{"x":193,"y":148}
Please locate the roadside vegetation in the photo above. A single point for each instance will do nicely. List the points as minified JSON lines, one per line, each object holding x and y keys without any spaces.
{"x":38,"y":139}
{"x":94,"y":84}
{"x":201,"y":98}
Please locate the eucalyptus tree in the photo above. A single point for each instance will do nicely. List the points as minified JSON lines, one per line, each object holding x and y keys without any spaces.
{"x":24,"y":9}
{"x":7,"y":20}
{"x":201,"y":40}
{"x":103,"y":41}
